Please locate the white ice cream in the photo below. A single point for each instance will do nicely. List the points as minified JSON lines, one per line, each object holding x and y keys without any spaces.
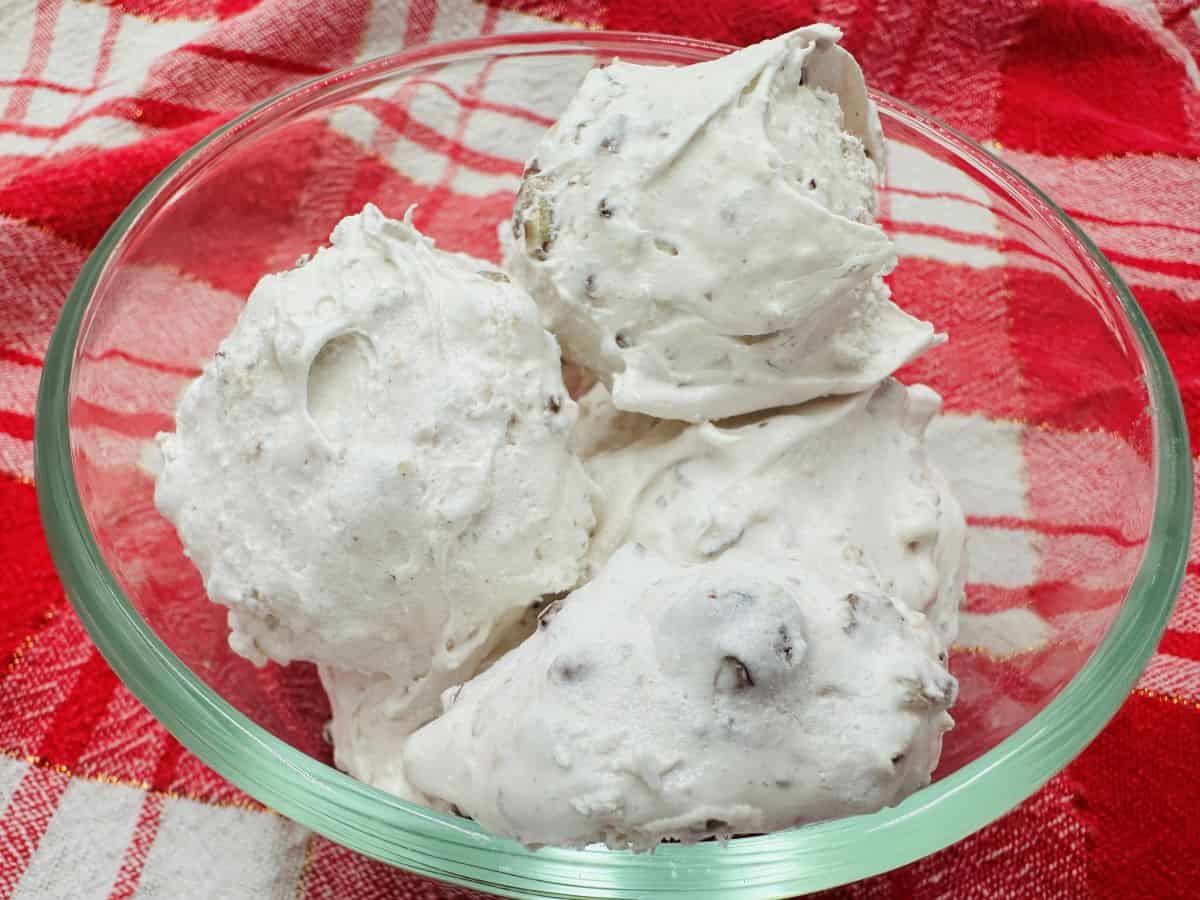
{"x":844,"y":480}
{"x":703,"y":238}
{"x":372,"y":719}
{"x":602,"y":427}
{"x":669,"y":701}
{"x":374,"y":472}
{"x":380,"y":471}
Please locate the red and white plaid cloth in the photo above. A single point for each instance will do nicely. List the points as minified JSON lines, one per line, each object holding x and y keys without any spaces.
{"x":1097,"y":102}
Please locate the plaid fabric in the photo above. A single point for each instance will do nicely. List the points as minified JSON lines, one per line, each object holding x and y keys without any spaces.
{"x":1098,"y":102}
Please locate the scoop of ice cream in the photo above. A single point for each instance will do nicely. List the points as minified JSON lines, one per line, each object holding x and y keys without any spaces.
{"x":843,"y":478}
{"x":670,"y":701}
{"x":373,"y":718}
{"x":373,"y":473}
{"x":703,"y":237}
{"x":369,"y":726}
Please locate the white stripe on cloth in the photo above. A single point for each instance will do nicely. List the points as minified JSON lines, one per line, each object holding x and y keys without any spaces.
{"x":983,"y":460}
{"x":205,"y":851}
{"x":80,"y":852}
{"x":1187,"y":607}
{"x":1004,"y":557}
{"x":75,"y":49}
{"x":139,"y":45}
{"x":1172,"y":675}
{"x":17,"y":19}
{"x":16,"y":456}
{"x":1133,"y":188}
{"x":11,"y":773}
{"x":76,"y":77}
{"x":44,"y":677}
{"x":102,"y":132}
{"x":18,"y":387}
{"x":912,"y":168}
{"x":926,"y":246}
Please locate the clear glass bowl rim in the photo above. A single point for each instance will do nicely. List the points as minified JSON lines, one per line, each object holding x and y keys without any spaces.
{"x":362,"y":818}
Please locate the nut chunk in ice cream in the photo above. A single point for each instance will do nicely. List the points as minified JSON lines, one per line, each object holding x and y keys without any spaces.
{"x":670,"y":701}
{"x":373,"y":472}
{"x":843,"y":483}
{"x":703,"y":237}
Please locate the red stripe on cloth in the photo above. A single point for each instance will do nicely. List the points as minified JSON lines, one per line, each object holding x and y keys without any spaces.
{"x":1046,"y":598}
{"x":943,"y":232}
{"x":16,"y":424}
{"x":145,"y":830}
{"x":1135,"y":790}
{"x":228,"y":8}
{"x":131,"y":424}
{"x":1073,"y":212}
{"x":40,"y":85}
{"x":78,"y":194}
{"x":108,"y":41}
{"x":1129,"y":223}
{"x":1001,"y":213}
{"x":932,"y":290}
{"x":168,"y":763}
{"x":1013,"y":523}
{"x":473,"y":103}
{"x":1177,"y":323}
{"x":923,"y":17}
{"x":76,"y":717}
{"x":1062,"y":97}
{"x":226,"y":54}
{"x":858,"y":28}
{"x":157,"y":113}
{"x":935,"y":195}
{"x":1176,"y":268}
{"x":35,"y":62}
{"x":974,"y":239}
{"x":457,"y":153}
{"x":8,"y":354}
{"x":182,"y":9}
{"x":421,"y":16}
{"x":144,"y":111}
{"x":1180,"y":643}
{"x":399,"y":120}
{"x":154,"y":365}
{"x":1088,"y":382}
{"x":336,"y":873}
{"x":25,"y":820}
{"x":1181,"y":12}
{"x":31,"y":593}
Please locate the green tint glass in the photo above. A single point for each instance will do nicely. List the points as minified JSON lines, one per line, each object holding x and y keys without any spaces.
{"x":139,"y":298}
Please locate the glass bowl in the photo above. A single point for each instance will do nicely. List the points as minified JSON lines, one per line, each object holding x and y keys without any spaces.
{"x":1062,"y":434}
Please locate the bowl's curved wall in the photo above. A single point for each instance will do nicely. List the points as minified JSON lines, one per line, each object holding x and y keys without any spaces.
{"x":1060,"y":426}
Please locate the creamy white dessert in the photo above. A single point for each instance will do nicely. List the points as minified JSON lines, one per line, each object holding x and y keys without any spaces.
{"x":373,"y":473}
{"x":839,"y":482}
{"x":746,"y":591}
{"x":600,"y":426}
{"x":663,"y":700}
{"x":372,"y":718}
{"x":702,"y":237}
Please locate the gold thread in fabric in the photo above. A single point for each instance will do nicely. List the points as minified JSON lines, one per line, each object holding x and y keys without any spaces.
{"x":144,"y":786}
{"x":1167,"y":698}
{"x":18,"y":655}
{"x":302,"y":878}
